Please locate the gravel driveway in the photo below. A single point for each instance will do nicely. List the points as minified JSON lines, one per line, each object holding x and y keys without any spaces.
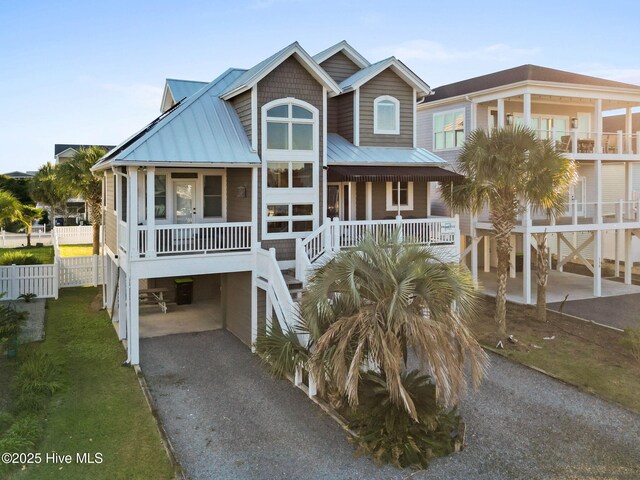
{"x":228,"y":419}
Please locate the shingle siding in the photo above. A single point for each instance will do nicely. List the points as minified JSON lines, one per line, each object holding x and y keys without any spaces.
{"x":345,"y":115}
{"x":339,"y":67}
{"x":238,"y":207}
{"x":242,"y":104}
{"x":379,"y":202}
{"x":386,"y":83}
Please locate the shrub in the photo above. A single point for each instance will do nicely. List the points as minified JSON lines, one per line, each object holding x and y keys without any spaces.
{"x":281,"y":350}
{"x":390,"y":435}
{"x":22,"y":436}
{"x":6,"y":419}
{"x":631,"y":340}
{"x":35,"y":381}
{"x":27,"y":297}
{"x":19,"y":258}
{"x":11,"y":320}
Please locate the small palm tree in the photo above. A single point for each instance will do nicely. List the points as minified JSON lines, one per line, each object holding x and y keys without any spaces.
{"x":28,"y":215}
{"x":77,"y":175}
{"x":10,"y":208}
{"x":47,"y":189}
{"x":506,"y":171}
{"x":373,"y":304}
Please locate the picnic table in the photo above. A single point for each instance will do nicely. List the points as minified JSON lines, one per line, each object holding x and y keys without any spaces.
{"x":154,"y":296}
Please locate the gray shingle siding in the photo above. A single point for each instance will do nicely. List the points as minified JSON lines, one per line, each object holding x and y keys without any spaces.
{"x":345,"y":116}
{"x":386,"y":83}
{"x":339,"y":67}
{"x":242,"y":104}
{"x":238,"y":208}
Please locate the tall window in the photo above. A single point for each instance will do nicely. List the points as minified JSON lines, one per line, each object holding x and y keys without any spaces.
{"x":289,"y":174}
{"x":448,"y":130}
{"x":386,"y":115}
{"x":212,"y":196}
{"x":289,"y":127}
{"x":123,"y":198}
{"x":160,"y":183}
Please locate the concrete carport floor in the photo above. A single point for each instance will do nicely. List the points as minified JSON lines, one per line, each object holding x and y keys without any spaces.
{"x":229,"y":419}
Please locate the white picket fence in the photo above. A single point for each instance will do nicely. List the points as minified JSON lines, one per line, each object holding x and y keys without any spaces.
{"x":45,"y":280}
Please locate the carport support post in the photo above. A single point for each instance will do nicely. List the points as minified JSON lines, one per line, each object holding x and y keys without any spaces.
{"x":597,"y":267}
{"x":487,"y":253}
{"x":474,"y":251}
{"x":133,"y":342}
{"x":254,"y":310}
{"x":628,"y":260}
{"x":526,"y":267}
{"x":512,"y":256}
{"x":122,"y":305}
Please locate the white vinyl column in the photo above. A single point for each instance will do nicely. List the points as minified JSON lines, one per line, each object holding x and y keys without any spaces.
{"x":527,"y":109}
{"x":151,"y":213}
{"x":501,"y":113}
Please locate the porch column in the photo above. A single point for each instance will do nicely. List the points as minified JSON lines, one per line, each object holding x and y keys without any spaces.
{"x":526,"y":267}
{"x":558,"y":255}
{"x":597,"y":264}
{"x":254,"y":310}
{"x":598,"y":114}
{"x":369,"y":200}
{"x":428,"y":199}
{"x":628,"y":122}
{"x":628,"y":189}
{"x":598,"y":166}
{"x":487,"y":253}
{"x":527,"y":109}
{"x":122,"y":305}
{"x":133,"y":340}
{"x":117,"y":180}
{"x":628,"y":259}
{"x":512,"y":257}
{"x":501,"y":113}
{"x":151,"y":213}
{"x":254,"y":205}
{"x":132,"y":212}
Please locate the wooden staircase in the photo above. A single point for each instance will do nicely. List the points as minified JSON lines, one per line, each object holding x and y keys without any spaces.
{"x":296,"y":289}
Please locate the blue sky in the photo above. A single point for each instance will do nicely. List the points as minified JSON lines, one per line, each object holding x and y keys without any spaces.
{"x":93,"y":71}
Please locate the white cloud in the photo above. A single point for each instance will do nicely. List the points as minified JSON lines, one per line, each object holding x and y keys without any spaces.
{"x":428,"y":50}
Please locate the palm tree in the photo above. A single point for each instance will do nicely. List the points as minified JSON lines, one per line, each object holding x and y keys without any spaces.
{"x":506,"y":171}
{"x":28,"y":215}
{"x":77,"y":175}
{"x":373,"y":304}
{"x":47,"y":189}
{"x":10,"y":208}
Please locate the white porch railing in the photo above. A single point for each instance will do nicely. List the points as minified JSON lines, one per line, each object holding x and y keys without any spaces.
{"x":195,"y":238}
{"x":336,"y":234}
{"x":277,"y":291}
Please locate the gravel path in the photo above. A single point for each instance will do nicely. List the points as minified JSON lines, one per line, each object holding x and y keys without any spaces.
{"x":227,"y":418}
{"x":621,"y":311}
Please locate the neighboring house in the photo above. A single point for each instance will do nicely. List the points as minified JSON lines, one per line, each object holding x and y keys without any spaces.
{"x":20,"y":175}
{"x":602,"y":216}
{"x":262,"y":170}
{"x":75,"y":211}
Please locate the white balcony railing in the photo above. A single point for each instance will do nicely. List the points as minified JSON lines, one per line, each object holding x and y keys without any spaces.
{"x":195,"y":238}
{"x":611,"y":143}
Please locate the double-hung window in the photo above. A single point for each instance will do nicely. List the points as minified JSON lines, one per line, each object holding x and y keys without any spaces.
{"x":386,"y":115}
{"x":448,"y":130}
{"x":399,"y":196}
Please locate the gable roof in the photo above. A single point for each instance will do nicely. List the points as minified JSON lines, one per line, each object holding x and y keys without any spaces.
{"x":256,"y":73}
{"x":363,"y":76}
{"x":350,"y":52}
{"x":19,"y":174}
{"x":202,"y":129}
{"x":60,"y":148}
{"x":520,"y":74}
{"x":183,"y":88}
{"x":340,"y":151}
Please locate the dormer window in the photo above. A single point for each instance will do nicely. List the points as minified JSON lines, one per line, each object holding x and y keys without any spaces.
{"x":386,"y":115}
{"x":289,"y":127}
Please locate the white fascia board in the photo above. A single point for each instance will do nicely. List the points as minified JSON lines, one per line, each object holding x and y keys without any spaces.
{"x":308,"y":62}
{"x":402,"y":71}
{"x":115,"y":163}
{"x":164,"y":95}
{"x":350,"y":52}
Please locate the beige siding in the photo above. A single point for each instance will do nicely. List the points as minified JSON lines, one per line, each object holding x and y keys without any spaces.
{"x":339,"y":67}
{"x":379,"y":202}
{"x":111,"y":223}
{"x":238,"y":207}
{"x":386,"y":83}
{"x":242,"y":104}
{"x":425,"y":129}
{"x":291,"y":79}
{"x":236,"y":301}
{"x":345,"y":116}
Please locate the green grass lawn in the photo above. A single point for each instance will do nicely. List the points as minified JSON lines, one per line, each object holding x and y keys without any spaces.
{"x":101,"y":407}
{"x":76,"y":250}
{"x":45,"y":254}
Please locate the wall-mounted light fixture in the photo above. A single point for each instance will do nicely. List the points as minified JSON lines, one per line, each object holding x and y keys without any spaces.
{"x":509,"y":118}
{"x":574,"y":122}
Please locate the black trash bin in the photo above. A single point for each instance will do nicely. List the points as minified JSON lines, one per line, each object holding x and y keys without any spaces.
{"x":184,"y":290}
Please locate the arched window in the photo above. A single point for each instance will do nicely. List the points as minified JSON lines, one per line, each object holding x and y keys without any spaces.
{"x":386,"y":115}
{"x":290,"y":127}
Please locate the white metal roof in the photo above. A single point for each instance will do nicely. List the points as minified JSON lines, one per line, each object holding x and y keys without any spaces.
{"x":342,"y":152}
{"x":363,"y":76}
{"x":204,"y":129}
{"x":262,"y":69}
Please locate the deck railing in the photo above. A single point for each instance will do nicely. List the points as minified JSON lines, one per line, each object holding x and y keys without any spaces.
{"x":194,"y":238}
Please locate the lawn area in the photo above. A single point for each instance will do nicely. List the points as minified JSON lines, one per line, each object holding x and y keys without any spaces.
{"x":76,"y":250}
{"x":100,"y":407}
{"x":582,"y":354}
{"x":43,"y":253}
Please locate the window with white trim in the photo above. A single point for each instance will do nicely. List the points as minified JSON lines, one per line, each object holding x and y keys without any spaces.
{"x":448,"y":130}
{"x":287,"y":218}
{"x":289,"y":175}
{"x":386,"y":115}
{"x":289,"y":127}
{"x":399,"y":196}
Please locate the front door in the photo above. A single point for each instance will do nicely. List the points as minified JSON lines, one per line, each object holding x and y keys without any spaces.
{"x":184,"y":201}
